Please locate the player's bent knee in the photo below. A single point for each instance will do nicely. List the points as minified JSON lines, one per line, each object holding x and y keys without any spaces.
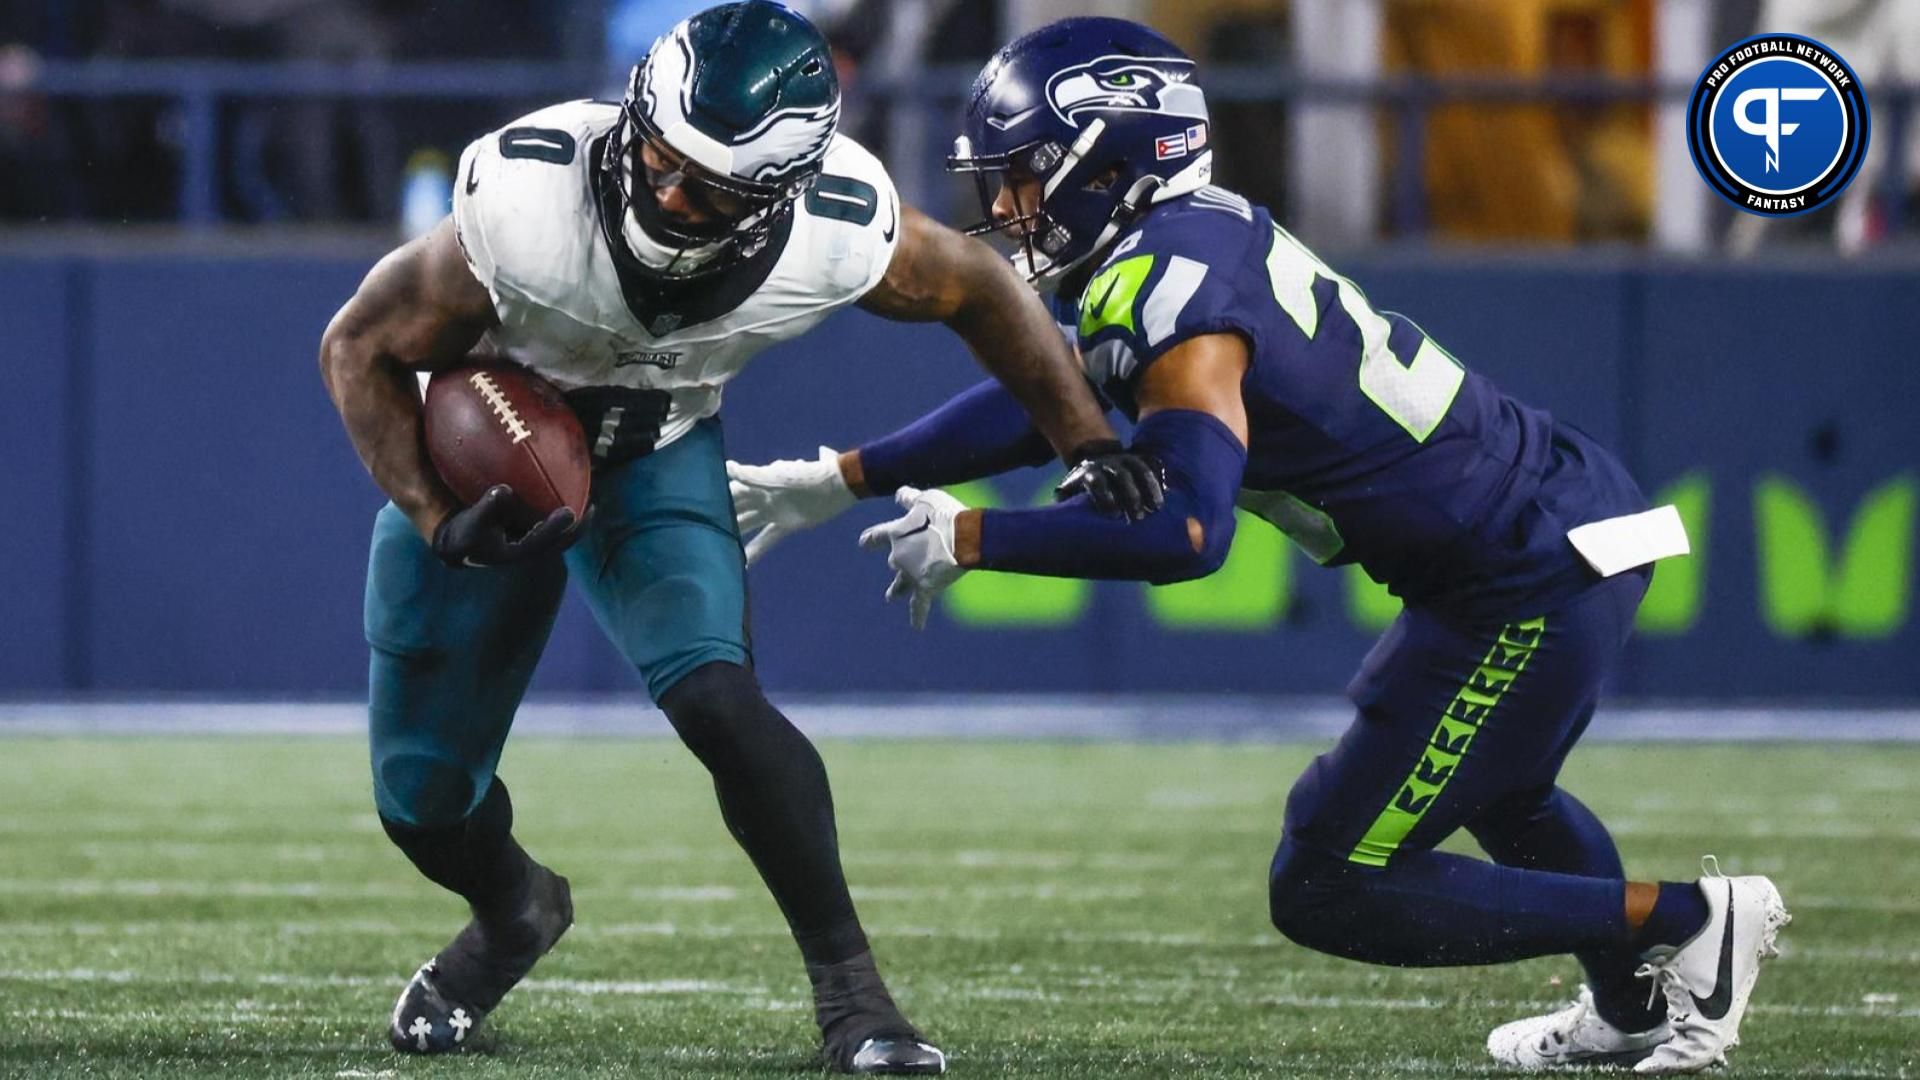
{"x":423,"y":790}
{"x":710,"y":693}
{"x":1514,"y":813}
{"x":1306,"y":891}
{"x":722,"y":715}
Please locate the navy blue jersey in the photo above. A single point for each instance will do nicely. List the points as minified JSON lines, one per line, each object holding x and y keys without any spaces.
{"x":1368,"y":442}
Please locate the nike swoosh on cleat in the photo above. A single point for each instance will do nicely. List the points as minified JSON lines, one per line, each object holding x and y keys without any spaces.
{"x":1715,"y":1007}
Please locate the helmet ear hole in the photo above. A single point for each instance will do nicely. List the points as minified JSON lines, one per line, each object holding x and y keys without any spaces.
{"x":1106,"y":180}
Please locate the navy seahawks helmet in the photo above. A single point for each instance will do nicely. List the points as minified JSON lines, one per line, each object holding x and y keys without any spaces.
{"x":738,"y":103}
{"x":1105,"y":114}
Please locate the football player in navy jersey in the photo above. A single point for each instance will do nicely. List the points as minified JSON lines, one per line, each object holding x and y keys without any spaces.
{"x":1258,"y":376}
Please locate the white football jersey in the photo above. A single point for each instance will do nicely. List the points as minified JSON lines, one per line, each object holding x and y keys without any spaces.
{"x":529,"y":219}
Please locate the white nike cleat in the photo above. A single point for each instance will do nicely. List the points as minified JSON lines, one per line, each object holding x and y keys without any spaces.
{"x":1708,"y":979}
{"x":1574,"y":1036}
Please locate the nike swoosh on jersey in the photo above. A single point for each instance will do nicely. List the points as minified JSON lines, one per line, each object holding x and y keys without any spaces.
{"x":1716,"y":1006}
{"x":1100,"y":305}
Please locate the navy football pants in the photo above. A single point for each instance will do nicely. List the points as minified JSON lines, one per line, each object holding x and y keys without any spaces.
{"x":1465,"y":726}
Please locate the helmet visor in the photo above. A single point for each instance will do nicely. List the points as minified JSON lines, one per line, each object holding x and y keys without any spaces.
{"x":690,"y":201}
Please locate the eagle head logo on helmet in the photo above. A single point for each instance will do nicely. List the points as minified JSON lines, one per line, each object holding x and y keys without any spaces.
{"x":742,"y":100}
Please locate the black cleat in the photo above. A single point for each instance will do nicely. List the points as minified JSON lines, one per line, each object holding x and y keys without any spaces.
{"x":454,"y":991}
{"x":861,"y":1030}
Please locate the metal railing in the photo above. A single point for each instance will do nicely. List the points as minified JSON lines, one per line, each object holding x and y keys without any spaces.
{"x":201,"y":88}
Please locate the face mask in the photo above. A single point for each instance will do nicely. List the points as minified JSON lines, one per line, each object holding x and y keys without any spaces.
{"x":664,"y":257}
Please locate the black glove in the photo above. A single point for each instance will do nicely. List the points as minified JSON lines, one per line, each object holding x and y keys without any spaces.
{"x":479,"y":535}
{"x":1118,"y":481}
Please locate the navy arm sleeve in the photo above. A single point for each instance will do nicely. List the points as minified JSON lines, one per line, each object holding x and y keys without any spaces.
{"x":982,"y":432}
{"x":1202,"y":463}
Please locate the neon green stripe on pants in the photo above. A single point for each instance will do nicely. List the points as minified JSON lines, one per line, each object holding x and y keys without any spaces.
{"x":1451,"y":737}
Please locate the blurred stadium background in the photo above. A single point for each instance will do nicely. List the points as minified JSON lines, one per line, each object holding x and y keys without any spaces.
{"x":189,"y":188}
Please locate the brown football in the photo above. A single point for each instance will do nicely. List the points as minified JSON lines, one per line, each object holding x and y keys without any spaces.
{"x":500,"y":424}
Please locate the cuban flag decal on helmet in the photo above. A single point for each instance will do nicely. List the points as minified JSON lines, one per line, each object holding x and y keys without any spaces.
{"x":1127,"y":84}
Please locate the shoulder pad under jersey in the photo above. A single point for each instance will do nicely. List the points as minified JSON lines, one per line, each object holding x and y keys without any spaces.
{"x":846,"y":226}
{"x":523,"y":201}
{"x":1178,"y":274}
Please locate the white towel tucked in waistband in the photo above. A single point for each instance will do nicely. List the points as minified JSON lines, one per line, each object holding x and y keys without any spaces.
{"x":1622,"y":543}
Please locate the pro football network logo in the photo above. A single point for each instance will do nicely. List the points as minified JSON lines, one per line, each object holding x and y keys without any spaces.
{"x":1778,"y":125}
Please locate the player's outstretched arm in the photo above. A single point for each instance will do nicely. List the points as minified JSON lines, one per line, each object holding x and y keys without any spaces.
{"x":981,"y":432}
{"x":1192,"y":421}
{"x":419,"y":309}
{"x":1040,"y":404}
{"x":939,"y":275}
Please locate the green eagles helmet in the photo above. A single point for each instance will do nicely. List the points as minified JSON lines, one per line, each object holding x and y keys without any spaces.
{"x":738,"y":104}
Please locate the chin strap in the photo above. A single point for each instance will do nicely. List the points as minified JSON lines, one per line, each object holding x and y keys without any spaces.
{"x":1145,"y":192}
{"x":664,"y":260}
{"x":1187,"y":180}
{"x":655,"y":256}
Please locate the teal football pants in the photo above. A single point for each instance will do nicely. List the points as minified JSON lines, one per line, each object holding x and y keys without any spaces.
{"x":660,"y":566}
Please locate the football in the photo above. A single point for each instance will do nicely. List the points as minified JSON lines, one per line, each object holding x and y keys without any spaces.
{"x":500,"y":424}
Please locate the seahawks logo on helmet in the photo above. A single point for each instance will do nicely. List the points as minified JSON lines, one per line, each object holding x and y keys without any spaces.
{"x":1128,"y":84}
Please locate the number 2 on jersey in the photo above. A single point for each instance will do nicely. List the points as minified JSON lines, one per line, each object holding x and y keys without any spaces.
{"x":1415,"y":395}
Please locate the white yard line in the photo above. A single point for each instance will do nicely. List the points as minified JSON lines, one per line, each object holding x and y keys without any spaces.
{"x":717,"y":893}
{"x":582,"y":987}
{"x":974,"y":990}
{"x":697,"y":894}
{"x":1137,"y":717}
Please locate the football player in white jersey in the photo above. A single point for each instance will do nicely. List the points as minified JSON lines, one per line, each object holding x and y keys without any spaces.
{"x":637,"y":255}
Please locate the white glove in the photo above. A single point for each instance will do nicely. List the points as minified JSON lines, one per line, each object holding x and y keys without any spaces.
{"x":782,"y":497}
{"x":922,"y":548}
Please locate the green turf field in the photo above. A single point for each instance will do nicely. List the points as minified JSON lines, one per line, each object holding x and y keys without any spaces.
{"x":207,"y":907}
